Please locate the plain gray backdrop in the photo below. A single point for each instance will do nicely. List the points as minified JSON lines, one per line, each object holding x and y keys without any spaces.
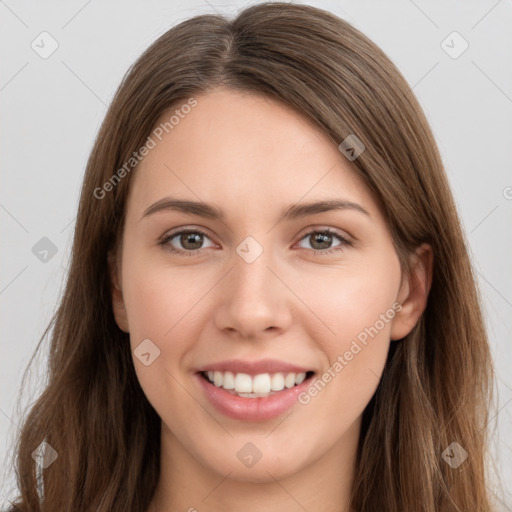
{"x":52,"y":106}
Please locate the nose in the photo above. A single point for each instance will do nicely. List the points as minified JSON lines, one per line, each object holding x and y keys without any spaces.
{"x":255,"y":301}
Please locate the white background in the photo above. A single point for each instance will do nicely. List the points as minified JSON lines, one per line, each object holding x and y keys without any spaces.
{"x":51,"y":110}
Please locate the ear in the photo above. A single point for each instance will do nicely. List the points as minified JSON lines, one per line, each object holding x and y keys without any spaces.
{"x":120,"y":314}
{"x":413,"y":293}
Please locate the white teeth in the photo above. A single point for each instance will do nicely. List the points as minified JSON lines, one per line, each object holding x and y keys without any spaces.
{"x":243,"y":383}
{"x":229,"y":380}
{"x":299,"y":379}
{"x":218,"y":378}
{"x":263,"y":384}
{"x":277,"y":382}
{"x":289,"y":380}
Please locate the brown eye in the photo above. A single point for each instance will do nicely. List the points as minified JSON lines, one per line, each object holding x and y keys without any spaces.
{"x":321,"y":240}
{"x":189,"y":242}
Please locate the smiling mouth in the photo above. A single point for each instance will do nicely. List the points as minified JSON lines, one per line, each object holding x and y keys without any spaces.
{"x":255,"y":386}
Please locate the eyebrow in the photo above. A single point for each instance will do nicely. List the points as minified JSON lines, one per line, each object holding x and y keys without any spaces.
{"x":211,"y":212}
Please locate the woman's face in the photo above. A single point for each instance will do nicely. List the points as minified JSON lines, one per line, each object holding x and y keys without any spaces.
{"x":252,"y":294}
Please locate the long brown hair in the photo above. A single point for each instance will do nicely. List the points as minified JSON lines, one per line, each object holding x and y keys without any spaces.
{"x":437,"y":381}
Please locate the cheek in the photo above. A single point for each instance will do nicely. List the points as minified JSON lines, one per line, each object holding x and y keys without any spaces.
{"x":356,"y":358}
{"x":346,"y":302}
{"x":356,"y":309}
{"x":158,"y":301}
{"x":157,"y":310}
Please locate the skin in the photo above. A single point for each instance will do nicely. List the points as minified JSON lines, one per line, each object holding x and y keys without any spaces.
{"x":252,"y":157}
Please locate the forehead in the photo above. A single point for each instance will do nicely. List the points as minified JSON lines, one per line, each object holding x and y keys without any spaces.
{"x":241,"y":149}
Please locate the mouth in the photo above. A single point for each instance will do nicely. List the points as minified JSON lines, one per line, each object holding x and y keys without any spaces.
{"x":261,"y":385}
{"x":253,"y":391}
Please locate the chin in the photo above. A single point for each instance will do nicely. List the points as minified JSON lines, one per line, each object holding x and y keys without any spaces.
{"x":267,"y":468}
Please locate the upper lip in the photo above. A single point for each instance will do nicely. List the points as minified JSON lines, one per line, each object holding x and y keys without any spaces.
{"x":254,"y":367}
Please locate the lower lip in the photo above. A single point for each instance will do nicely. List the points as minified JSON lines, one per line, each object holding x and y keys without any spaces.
{"x":251,"y":409}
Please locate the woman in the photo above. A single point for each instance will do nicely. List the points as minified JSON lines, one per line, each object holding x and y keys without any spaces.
{"x":300,"y":353}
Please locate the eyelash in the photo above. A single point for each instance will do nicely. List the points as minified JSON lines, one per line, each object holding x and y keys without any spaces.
{"x":165,"y":241}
